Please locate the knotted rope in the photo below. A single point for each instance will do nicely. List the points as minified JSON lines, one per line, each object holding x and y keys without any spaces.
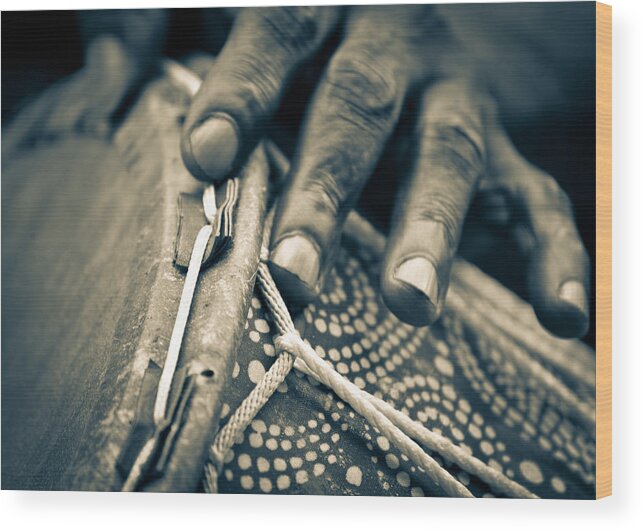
{"x":293,"y":351}
{"x":393,"y":424}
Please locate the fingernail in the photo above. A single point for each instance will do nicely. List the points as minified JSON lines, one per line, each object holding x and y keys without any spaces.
{"x":573,"y":292}
{"x":420,"y":274}
{"x":297,"y":255}
{"x":215,"y":144}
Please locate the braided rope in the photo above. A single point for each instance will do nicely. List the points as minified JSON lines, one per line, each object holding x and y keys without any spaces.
{"x":350,"y":393}
{"x":441,"y":444}
{"x":291,"y":343}
{"x":397,"y":427}
{"x":249,"y":408}
{"x":394,"y":424}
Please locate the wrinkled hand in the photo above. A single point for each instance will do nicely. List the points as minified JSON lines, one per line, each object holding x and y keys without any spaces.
{"x":388,"y":57}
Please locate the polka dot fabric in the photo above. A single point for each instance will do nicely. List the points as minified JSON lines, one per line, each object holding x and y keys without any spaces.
{"x":307,"y":441}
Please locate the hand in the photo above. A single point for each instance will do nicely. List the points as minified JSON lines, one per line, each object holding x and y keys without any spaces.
{"x":387,"y":55}
{"x":85,"y":101}
{"x":462,"y":149}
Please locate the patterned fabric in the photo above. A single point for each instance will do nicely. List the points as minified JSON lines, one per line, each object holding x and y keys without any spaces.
{"x":307,"y":441}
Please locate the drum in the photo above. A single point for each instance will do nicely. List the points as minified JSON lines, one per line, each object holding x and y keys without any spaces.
{"x":91,"y":292}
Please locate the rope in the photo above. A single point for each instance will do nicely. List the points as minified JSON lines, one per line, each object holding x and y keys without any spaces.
{"x":442,"y":445}
{"x":351,"y":394}
{"x":293,"y":351}
{"x":393,"y":424}
{"x":397,"y":427}
{"x":273,"y":378}
{"x":244,"y":415}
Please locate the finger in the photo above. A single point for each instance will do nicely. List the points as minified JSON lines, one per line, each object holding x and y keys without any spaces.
{"x":431,"y":211}
{"x":558,"y":277}
{"x":245,"y":85}
{"x":354,"y":110}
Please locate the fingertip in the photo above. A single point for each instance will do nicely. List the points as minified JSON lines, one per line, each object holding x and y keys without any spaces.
{"x":295,"y":266}
{"x":563,"y":320}
{"x":572,"y":292}
{"x":574,"y":308}
{"x":211,"y":147}
{"x":411,"y":291}
{"x":561,"y":306}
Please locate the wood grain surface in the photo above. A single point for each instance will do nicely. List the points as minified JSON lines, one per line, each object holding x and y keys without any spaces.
{"x":90,"y":296}
{"x":603,"y":250}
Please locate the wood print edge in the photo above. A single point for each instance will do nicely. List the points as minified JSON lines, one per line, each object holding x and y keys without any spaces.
{"x":603,"y":250}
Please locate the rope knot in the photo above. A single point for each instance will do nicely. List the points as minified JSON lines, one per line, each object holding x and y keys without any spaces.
{"x":289,"y":342}
{"x":264,"y":254}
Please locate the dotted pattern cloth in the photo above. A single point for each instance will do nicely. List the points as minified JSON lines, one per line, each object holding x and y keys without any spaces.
{"x":307,"y":441}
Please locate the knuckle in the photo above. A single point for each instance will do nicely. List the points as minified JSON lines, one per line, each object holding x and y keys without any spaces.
{"x":257,"y":83}
{"x":563,"y":231}
{"x":295,"y":29}
{"x":552,"y":189}
{"x":454,"y":148}
{"x":324,"y":194}
{"x":552,"y":213}
{"x":460,"y":95}
{"x":439,"y":208}
{"x":542,"y":191}
{"x":365,"y":88}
